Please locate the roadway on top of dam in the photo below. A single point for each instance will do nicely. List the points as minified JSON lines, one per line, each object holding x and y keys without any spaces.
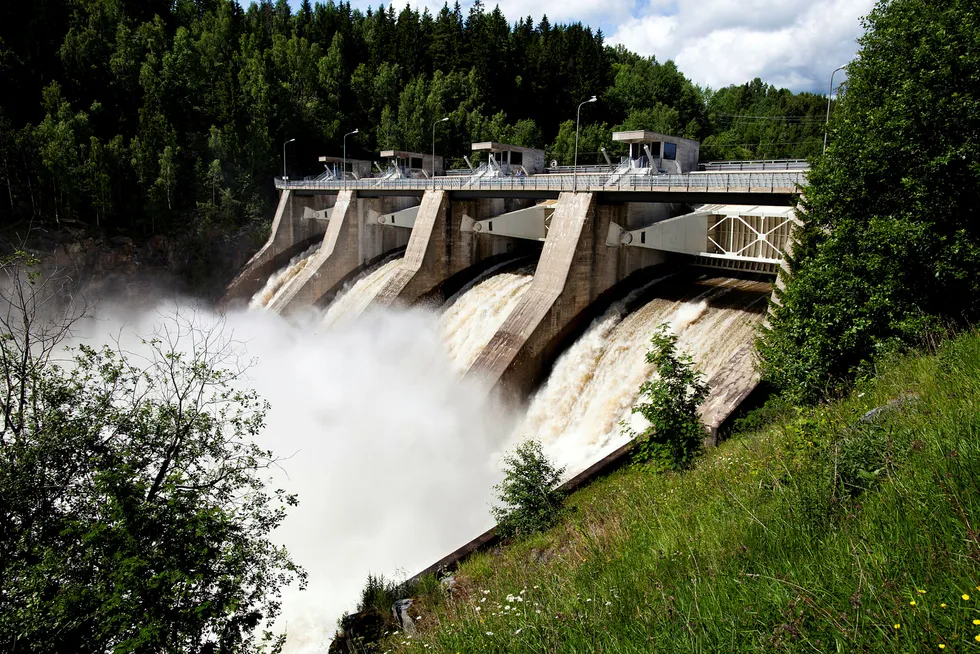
{"x":762,"y":187}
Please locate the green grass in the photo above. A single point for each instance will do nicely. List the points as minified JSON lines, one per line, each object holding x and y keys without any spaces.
{"x":815,"y":533}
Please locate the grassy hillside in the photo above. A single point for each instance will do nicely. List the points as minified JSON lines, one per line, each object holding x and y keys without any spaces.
{"x":823,"y":530}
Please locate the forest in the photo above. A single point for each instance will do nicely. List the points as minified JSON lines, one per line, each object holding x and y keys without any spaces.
{"x":152,"y":117}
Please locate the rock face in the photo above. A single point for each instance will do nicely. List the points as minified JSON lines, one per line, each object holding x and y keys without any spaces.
{"x":358,"y":632}
{"x":400,"y":612}
{"x":119,"y":267}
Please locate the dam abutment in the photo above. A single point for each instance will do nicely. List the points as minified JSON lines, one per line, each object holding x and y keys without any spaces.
{"x":298,"y":224}
{"x":354,"y":238}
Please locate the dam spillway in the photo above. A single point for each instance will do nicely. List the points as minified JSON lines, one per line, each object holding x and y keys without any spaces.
{"x":471,"y":321}
{"x":531,"y":330}
{"x":577,"y":413}
{"x":352,"y":302}
{"x":280,"y":279}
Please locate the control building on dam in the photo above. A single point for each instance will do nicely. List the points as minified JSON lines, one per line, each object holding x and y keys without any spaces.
{"x":596,"y":232}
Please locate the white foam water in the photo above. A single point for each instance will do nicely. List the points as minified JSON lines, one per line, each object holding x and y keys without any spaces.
{"x":593,"y":386}
{"x":352,"y":303}
{"x":472,"y":320}
{"x":280,"y":279}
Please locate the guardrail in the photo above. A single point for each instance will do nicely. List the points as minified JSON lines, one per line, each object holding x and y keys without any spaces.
{"x":739,"y":182}
{"x":770,"y":164}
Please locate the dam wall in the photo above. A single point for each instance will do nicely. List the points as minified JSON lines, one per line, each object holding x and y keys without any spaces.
{"x":439,"y":249}
{"x":295,"y":228}
{"x":354,"y":238}
{"x":576,"y":267}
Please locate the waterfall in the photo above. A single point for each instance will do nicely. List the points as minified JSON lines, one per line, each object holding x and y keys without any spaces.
{"x":576,"y":415}
{"x":281,"y":278}
{"x":352,"y":302}
{"x":471,"y":321}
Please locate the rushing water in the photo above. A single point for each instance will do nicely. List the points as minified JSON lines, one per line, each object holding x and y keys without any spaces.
{"x":576,"y":415}
{"x":471,"y":321}
{"x":352,"y":303}
{"x":280,"y":279}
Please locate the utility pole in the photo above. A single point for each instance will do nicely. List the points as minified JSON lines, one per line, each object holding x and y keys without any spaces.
{"x":829,"y":95}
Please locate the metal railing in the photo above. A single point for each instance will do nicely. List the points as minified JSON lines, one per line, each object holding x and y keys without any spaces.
{"x":757,"y":182}
{"x":762,"y":164}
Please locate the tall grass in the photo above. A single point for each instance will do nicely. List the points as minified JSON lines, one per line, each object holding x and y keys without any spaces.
{"x":819,"y":532}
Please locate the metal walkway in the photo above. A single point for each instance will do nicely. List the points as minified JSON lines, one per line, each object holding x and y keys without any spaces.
{"x":763,"y":182}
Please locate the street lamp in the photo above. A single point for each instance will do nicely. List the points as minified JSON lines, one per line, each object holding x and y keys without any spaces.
{"x":441,"y":120}
{"x":827,"y":122}
{"x":578,"y":113}
{"x":343,"y":173}
{"x":284,"y":157}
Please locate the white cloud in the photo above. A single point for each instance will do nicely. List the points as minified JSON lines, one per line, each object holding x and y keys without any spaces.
{"x":791,"y":43}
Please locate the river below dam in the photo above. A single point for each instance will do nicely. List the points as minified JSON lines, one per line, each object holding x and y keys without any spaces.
{"x":392,"y":451}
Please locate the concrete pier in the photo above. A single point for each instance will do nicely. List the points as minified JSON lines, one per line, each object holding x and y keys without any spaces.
{"x":294,"y":229}
{"x":354,"y":238}
{"x":439,"y":248}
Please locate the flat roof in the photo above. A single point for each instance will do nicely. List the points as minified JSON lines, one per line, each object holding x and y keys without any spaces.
{"x":493,"y":146}
{"x":401,"y":154}
{"x":644,"y":136}
{"x":340,"y":160}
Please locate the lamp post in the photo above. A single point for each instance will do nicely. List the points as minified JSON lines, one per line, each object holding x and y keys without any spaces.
{"x":343,"y":173}
{"x":441,"y":120}
{"x":829,"y":95}
{"x":284,"y":157}
{"x":578,"y":114}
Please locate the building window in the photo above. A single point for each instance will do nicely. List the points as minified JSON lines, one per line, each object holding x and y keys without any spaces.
{"x":670,"y":151}
{"x":654,"y":150}
{"x":416,"y":162}
{"x":516,"y":158}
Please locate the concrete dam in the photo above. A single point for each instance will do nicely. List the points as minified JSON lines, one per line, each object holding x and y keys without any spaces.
{"x":522,"y":265}
{"x":546,"y":287}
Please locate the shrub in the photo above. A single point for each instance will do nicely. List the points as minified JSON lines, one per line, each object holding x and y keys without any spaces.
{"x":675,"y":435}
{"x":531,"y":500}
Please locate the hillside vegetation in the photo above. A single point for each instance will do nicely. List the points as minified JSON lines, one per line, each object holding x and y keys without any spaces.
{"x":849,"y":527}
{"x":170,"y":117}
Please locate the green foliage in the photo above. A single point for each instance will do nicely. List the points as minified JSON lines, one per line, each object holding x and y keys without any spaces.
{"x":134,"y":514}
{"x":820,"y":532}
{"x":671,"y":400}
{"x":529,"y":498}
{"x":890,"y":241}
{"x":117,"y":104}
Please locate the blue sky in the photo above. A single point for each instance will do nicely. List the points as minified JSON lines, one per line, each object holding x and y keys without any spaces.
{"x":791,"y":43}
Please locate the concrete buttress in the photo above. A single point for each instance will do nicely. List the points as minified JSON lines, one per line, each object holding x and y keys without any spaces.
{"x":564,"y":284}
{"x":427,"y":257}
{"x":294,"y":229}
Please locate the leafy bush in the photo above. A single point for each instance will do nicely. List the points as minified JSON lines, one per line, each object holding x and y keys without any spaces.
{"x":529,"y":494}
{"x":134,"y":514}
{"x":675,"y":435}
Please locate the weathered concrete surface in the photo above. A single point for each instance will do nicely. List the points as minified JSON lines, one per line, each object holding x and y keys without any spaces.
{"x":728,"y":388}
{"x":427,"y":258}
{"x":354,"y":238}
{"x":562,"y":287}
{"x":438,"y":249}
{"x":292,"y":232}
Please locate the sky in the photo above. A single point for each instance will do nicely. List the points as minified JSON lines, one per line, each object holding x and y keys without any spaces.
{"x":788,"y":43}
